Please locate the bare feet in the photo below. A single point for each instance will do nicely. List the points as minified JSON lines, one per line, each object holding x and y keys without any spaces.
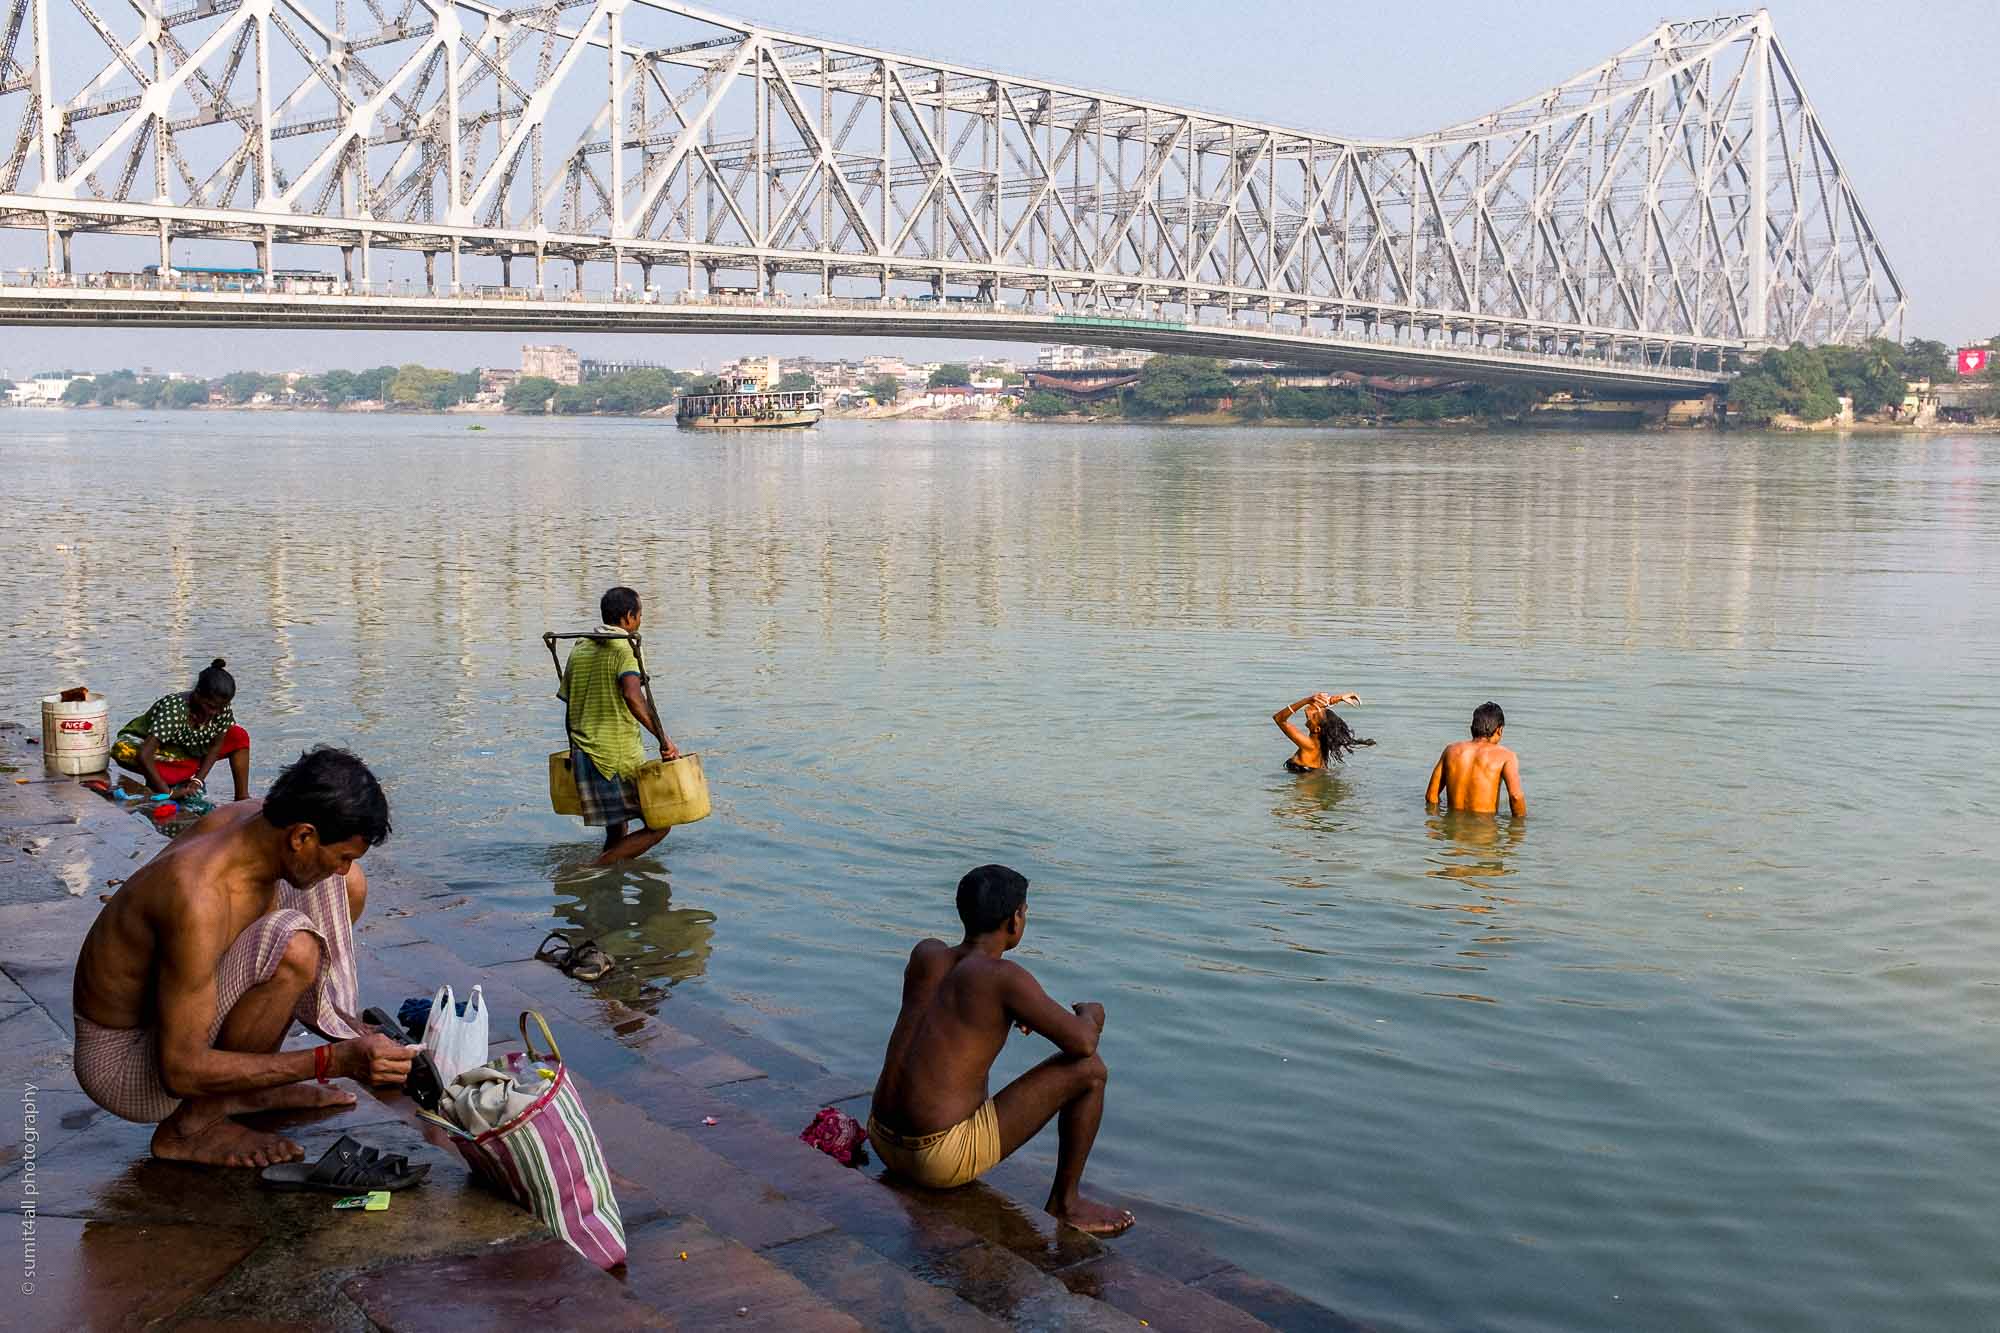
{"x":1091,"y":1217}
{"x":221,"y":1142}
{"x":288,"y":1097}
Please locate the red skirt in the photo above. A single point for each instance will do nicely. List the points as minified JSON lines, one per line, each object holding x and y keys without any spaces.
{"x":173,"y":772}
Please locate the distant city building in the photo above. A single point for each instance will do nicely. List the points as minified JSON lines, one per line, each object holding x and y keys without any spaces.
{"x":560,"y":364}
{"x":1070,"y":356}
{"x":42,"y":391}
{"x":874,"y":367}
{"x":495,"y":383}
{"x":592,"y":369}
{"x":766,"y":370}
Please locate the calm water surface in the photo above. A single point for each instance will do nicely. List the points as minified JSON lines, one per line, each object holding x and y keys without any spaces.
{"x":1709,"y":1041}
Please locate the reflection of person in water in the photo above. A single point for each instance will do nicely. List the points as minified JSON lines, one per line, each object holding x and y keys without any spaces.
{"x":1326,"y":738}
{"x":631,"y":915}
{"x":1469,"y":834}
{"x":1474,"y":858}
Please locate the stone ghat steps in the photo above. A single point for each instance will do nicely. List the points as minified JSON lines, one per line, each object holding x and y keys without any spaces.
{"x":776,"y":1235}
{"x":888,"y":1256}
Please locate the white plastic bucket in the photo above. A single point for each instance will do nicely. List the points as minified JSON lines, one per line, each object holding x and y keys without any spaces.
{"x":76,"y":737}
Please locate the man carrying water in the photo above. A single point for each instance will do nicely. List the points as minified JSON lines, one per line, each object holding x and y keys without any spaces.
{"x":932,"y":1120}
{"x":606,"y":702}
{"x":1468,"y":774}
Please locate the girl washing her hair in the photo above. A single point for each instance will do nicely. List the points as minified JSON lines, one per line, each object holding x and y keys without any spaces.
{"x":1325,"y":739}
{"x":173,"y":744}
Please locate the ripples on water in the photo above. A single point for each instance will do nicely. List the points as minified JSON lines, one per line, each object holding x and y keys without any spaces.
{"x":1706,"y":1042}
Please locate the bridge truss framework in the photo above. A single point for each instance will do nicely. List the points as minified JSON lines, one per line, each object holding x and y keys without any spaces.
{"x":1670,"y":206}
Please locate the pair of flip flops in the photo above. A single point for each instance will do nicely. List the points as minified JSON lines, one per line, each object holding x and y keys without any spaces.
{"x":348,"y":1167}
{"x":585,"y":961}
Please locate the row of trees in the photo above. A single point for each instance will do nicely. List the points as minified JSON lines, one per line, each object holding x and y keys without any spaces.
{"x":410,"y":386}
{"x":628,"y":394}
{"x":1808,"y":382}
{"x":1179,"y":385}
{"x":124,"y":387}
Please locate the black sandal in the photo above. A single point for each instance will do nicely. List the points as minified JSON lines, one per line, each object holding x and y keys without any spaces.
{"x":585,"y":961}
{"x":590,"y":963}
{"x":348,"y":1167}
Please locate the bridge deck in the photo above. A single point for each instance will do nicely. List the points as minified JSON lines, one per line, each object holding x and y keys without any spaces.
{"x":85,"y":306}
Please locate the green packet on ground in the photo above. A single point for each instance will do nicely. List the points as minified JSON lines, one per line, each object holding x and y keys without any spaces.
{"x":374,"y":1201}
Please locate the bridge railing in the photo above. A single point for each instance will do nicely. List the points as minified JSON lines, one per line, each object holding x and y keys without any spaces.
{"x":1074,"y":326}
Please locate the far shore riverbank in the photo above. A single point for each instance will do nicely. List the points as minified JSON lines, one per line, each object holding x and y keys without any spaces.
{"x":1534,"y":421}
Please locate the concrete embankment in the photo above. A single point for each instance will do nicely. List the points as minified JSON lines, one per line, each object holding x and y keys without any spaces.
{"x":735,"y":1222}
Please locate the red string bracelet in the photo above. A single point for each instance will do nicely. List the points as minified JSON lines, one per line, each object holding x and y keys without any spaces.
{"x":319,"y":1063}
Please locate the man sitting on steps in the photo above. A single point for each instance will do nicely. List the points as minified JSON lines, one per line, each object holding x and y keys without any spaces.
{"x":191,"y":977}
{"x":932,"y":1120}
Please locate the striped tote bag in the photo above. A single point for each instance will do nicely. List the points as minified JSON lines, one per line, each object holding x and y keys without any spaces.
{"x":547,"y":1158}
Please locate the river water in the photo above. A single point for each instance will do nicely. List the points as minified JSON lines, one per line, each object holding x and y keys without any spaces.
{"x":1709,"y":1040}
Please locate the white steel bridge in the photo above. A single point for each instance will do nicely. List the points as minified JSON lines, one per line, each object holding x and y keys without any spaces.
{"x":645,"y":166}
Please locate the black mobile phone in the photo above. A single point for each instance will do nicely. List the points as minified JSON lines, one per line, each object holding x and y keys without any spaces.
{"x":424,"y":1085}
{"x":386,"y":1025}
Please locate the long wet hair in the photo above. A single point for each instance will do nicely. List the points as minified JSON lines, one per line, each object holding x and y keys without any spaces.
{"x":215,"y":682}
{"x":1336,"y":739}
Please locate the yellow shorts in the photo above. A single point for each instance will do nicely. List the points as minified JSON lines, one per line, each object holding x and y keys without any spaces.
{"x":946,"y":1159}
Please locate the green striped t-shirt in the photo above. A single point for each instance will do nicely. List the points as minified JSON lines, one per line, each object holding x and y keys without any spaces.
{"x":603,"y":726}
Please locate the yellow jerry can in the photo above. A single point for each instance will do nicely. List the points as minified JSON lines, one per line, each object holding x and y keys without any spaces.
{"x":671,"y":791}
{"x":562,"y":785}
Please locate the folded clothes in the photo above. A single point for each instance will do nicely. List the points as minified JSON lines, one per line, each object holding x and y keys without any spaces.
{"x":484,"y":1098}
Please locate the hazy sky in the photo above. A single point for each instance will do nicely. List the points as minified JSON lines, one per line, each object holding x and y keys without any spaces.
{"x":1909,"y":95}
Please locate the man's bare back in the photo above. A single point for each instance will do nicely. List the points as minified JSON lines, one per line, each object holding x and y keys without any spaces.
{"x":1469,"y":774}
{"x":958,"y":1003}
{"x":953,"y":1024}
{"x":191,"y":901}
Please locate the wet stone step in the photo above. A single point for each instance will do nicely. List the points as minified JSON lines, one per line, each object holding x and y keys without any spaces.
{"x":748,"y":1195}
{"x":536,"y":1284}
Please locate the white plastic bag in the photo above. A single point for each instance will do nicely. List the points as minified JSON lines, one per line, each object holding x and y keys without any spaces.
{"x":456,"y":1043}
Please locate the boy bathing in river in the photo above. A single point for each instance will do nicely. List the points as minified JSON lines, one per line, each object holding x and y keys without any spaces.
{"x":1467,"y":776}
{"x":190,"y":979}
{"x":932,"y":1120}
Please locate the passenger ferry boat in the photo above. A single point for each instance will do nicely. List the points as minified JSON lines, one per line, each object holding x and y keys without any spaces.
{"x":748,"y":405}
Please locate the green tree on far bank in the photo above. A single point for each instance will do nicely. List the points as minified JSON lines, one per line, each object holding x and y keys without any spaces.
{"x":373,"y":385}
{"x":187,"y":393}
{"x":337,"y":388}
{"x":1926,"y":359}
{"x":421,"y":387}
{"x":79,"y":393}
{"x":531,"y":396}
{"x":1171,"y":385}
{"x":884,"y":388}
{"x":619,"y":395}
{"x":1868,"y":374}
{"x":240,"y":386}
{"x":1798,"y":381}
{"x":1046,"y":403}
{"x":797,"y":381}
{"x":950,"y":377}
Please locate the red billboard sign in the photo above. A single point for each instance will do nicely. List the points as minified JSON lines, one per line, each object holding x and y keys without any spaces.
{"x":1973,"y":360}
